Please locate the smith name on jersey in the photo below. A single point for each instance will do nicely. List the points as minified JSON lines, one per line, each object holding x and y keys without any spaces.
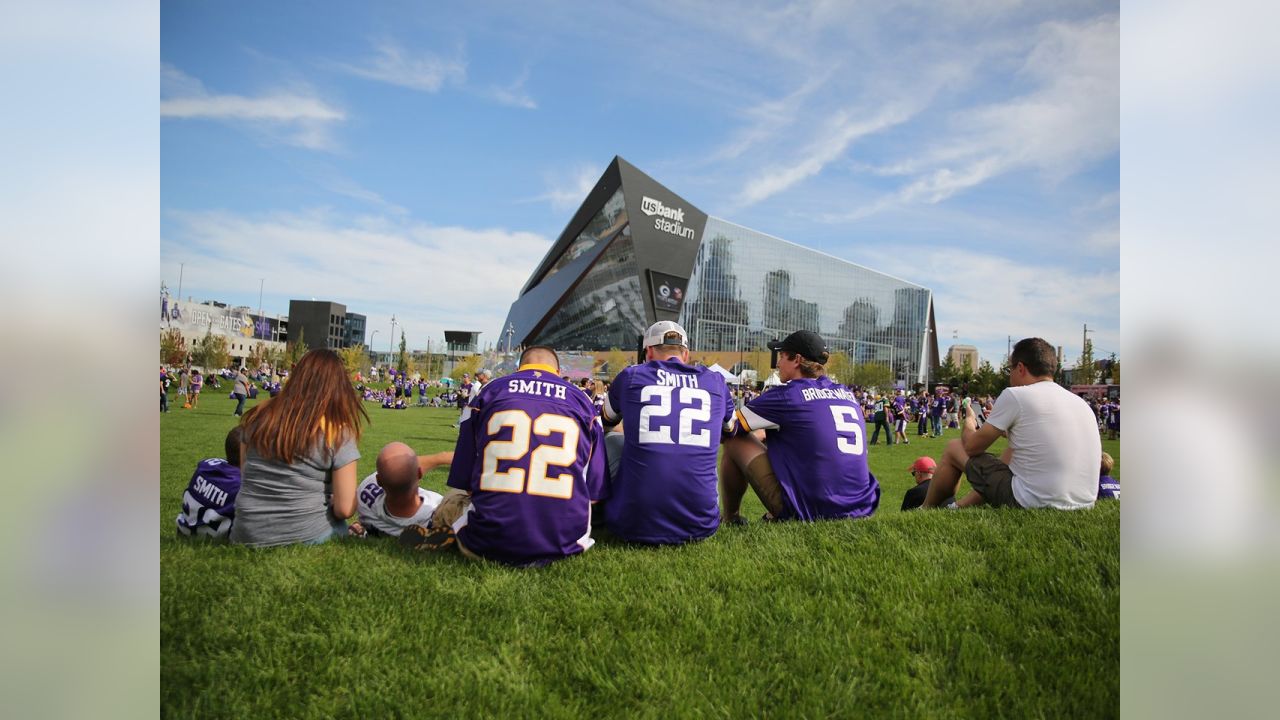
{"x":674,"y":417}
{"x":531,"y":453}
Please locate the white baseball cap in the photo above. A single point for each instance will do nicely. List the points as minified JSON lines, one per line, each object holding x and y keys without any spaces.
{"x":666,"y":332}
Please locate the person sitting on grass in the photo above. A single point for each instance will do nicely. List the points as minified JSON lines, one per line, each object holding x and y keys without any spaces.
{"x":528,"y":465}
{"x":1108,"y":487}
{"x":922,"y":470}
{"x":299,"y":472}
{"x":813,"y":462}
{"x":1054,"y":450}
{"x":390,"y":499}
{"x":209,"y":503}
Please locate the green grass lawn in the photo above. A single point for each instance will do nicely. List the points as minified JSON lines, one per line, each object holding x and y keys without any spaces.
{"x":981,"y":613}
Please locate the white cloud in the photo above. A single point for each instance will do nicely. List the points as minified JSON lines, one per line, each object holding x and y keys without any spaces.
{"x":567,"y":190}
{"x":988,"y":298}
{"x":430,"y":277}
{"x":513,"y":94}
{"x":842,"y":130}
{"x":298,"y":118}
{"x":1069,"y":120}
{"x":392,"y":64}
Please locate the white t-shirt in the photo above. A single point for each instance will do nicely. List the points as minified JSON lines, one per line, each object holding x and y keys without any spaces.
{"x":372,"y":508}
{"x":1056,"y":448}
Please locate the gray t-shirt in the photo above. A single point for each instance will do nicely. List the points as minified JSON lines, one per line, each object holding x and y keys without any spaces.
{"x":283,"y":504}
{"x":242,"y":384}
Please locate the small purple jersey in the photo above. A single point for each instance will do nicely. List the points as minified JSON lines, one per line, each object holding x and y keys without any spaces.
{"x":815,"y":432}
{"x":674,"y":417}
{"x":209,"y":503}
{"x":939,"y":405}
{"x":531,"y":453}
{"x":1108,"y":488}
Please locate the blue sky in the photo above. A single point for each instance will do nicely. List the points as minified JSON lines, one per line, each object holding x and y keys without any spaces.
{"x":418,"y":159}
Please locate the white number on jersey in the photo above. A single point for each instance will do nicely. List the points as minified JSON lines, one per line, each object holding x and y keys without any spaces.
{"x":522,"y":430}
{"x":697,"y":404}
{"x":846,"y":419}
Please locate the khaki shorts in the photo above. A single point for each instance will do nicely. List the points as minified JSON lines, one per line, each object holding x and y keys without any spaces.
{"x":992,"y":479}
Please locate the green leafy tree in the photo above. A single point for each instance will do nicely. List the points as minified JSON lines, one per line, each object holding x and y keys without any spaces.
{"x":873,"y":374}
{"x":1086,"y":373}
{"x":402,"y":361}
{"x":467,"y":365}
{"x":354,"y":358}
{"x":840,"y":368}
{"x":211,"y":352}
{"x":947,"y":372}
{"x":985,"y":380}
{"x":294,"y":351}
{"x":1115,"y":370}
{"x":173,"y":347}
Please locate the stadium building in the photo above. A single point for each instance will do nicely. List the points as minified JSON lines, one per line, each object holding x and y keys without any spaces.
{"x":635,"y":253}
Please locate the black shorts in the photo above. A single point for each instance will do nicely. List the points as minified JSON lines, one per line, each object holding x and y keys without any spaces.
{"x":992,"y":479}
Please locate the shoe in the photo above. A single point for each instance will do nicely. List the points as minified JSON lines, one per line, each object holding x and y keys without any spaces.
{"x":423,"y":539}
{"x":737,"y":521}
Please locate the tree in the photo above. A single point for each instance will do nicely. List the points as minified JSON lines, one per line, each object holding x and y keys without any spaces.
{"x":872,"y":374}
{"x":294,"y":351}
{"x":211,"y":352}
{"x":467,"y":365}
{"x":402,"y":363}
{"x":984,"y":382}
{"x":1002,"y":378}
{"x":1085,"y":373}
{"x":354,"y":359}
{"x":947,"y":372}
{"x":840,"y":368}
{"x":1115,"y":370}
{"x":173,"y":347}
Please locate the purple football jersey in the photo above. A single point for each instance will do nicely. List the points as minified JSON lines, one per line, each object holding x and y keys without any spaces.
{"x":1108,"y":488}
{"x":815,"y":436}
{"x":674,"y":416}
{"x":209,"y":503}
{"x":531,"y":453}
{"x":939,"y":405}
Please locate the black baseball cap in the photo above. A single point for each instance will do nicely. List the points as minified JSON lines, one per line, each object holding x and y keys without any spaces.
{"x":806,"y":343}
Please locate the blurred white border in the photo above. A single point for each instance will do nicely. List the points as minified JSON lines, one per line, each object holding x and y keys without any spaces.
{"x":79,"y":228}
{"x":1198,"y":263}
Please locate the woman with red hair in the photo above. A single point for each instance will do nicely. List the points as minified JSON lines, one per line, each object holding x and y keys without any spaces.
{"x":299,"y":458}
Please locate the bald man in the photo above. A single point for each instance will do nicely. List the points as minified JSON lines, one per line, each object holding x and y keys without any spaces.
{"x":391,"y":499}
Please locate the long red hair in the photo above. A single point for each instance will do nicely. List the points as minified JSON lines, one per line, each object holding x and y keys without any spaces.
{"x":317,"y":405}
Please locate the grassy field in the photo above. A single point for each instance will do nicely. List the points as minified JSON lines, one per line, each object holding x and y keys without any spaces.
{"x":982,"y":613}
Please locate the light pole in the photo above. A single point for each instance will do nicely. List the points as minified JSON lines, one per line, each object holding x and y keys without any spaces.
{"x":372,"y":335}
{"x":391,"y":344}
{"x":511,"y":329}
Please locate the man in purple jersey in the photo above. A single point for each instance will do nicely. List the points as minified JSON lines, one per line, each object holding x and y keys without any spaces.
{"x":813,"y":463}
{"x":528,"y":465}
{"x":663,"y":463}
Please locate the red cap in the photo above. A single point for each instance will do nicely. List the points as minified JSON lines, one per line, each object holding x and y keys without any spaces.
{"x":924,"y":463}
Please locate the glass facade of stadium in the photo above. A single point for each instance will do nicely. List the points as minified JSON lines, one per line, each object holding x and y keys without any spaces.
{"x":637,"y":253}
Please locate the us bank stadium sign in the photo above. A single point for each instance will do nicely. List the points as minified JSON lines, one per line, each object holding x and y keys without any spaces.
{"x":667,"y":219}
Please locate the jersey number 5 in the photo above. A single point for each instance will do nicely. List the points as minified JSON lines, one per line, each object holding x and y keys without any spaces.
{"x":543,"y":456}
{"x":846,"y":419}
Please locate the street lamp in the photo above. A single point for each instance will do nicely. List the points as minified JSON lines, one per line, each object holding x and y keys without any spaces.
{"x":372,"y":335}
{"x":391,"y":344}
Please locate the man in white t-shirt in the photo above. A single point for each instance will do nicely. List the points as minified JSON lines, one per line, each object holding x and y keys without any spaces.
{"x":1054,"y":448}
{"x":390,"y":500}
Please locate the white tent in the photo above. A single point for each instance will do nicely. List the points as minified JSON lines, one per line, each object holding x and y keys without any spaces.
{"x":773,"y":380}
{"x":728,"y":376}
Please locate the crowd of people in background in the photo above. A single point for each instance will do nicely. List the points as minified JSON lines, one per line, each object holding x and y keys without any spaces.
{"x":645,"y":446}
